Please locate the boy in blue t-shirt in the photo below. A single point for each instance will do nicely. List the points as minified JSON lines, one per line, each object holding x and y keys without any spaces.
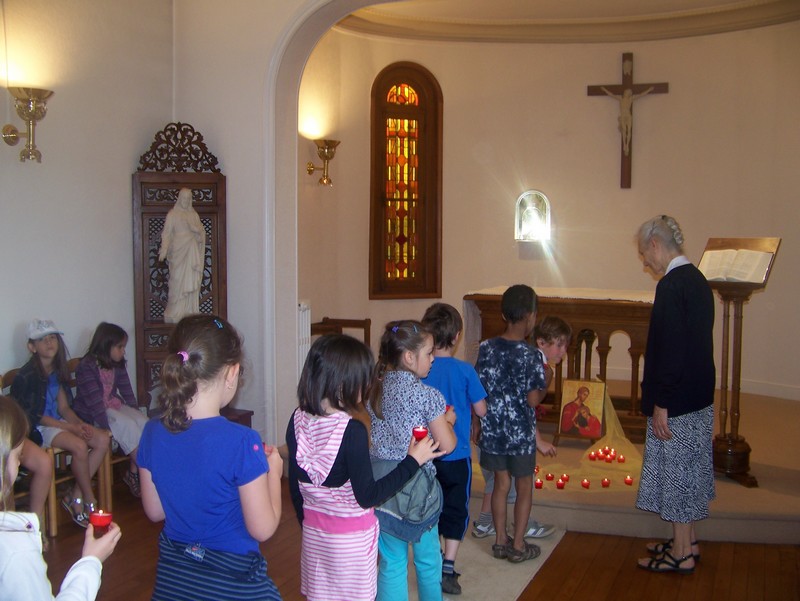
{"x":514,"y":376}
{"x":464,"y":393}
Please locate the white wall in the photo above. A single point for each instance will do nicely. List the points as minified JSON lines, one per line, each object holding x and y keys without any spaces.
{"x":719,"y":152}
{"x":65,"y":224}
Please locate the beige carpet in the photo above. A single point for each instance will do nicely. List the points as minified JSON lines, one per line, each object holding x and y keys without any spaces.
{"x":475,"y":562}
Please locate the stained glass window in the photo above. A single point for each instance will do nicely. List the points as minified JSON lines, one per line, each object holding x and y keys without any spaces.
{"x":405,"y":258}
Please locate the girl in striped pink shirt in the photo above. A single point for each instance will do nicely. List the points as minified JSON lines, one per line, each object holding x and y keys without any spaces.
{"x":330,"y":475}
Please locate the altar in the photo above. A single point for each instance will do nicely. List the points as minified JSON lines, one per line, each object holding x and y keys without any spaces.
{"x":594,"y":315}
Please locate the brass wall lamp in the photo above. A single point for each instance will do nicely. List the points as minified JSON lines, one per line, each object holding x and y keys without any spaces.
{"x":31,"y":105}
{"x":326,"y":150}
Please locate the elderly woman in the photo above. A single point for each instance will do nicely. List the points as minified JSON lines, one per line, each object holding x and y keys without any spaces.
{"x":677,"y":479}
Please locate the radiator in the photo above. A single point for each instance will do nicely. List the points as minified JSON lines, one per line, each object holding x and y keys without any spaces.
{"x":303,"y":333}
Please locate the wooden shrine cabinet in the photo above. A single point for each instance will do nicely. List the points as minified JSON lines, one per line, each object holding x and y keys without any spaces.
{"x":178,"y":158}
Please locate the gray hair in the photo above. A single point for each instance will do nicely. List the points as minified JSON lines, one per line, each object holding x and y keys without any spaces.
{"x":663,"y":227}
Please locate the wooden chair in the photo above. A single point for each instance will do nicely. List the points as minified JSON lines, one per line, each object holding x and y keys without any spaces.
{"x":332,"y":325}
{"x":61,"y":471}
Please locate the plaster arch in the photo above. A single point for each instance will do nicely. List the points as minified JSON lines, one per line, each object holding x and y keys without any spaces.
{"x":281,"y":173}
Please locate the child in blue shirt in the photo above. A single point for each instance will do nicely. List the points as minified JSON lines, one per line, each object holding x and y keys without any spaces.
{"x":464,"y":393}
{"x":513,"y":374}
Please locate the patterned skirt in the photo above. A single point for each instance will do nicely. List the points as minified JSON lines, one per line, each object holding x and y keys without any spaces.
{"x":207,"y":575}
{"x":677,"y":479}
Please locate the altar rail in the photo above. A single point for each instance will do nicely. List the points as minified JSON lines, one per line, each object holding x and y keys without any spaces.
{"x":594,"y":315}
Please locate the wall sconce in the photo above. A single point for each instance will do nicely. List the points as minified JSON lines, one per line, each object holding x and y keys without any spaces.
{"x":31,"y":105}
{"x":326,"y":149}
{"x":532,"y":217}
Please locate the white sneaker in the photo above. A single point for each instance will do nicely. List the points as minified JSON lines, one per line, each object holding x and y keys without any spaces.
{"x":480,"y":531}
{"x":537,"y":530}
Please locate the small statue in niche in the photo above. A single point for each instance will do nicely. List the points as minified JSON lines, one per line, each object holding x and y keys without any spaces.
{"x":183,"y":246}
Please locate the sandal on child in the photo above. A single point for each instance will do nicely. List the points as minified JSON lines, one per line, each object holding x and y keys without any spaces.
{"x":501,"y":551}
{"x":667,"y":563}
{"x":530,"y":551}
{"x":132,"y":480}
{"x":75,"y":508}
{"x":661,"y":548}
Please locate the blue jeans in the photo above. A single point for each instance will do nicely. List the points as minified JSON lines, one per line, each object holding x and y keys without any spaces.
{"x":393,"y":567}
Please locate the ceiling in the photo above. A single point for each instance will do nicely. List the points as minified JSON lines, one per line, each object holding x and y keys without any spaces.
{"x":565,"y":21}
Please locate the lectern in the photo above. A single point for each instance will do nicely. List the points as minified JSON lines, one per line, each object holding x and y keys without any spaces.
{"x":735,"y":268}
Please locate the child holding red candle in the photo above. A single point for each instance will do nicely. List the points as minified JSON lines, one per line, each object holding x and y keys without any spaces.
{"x":330,"y":476}
{"x":216,"y":487}
{"x":23,"y":572}
{"x":398,"y":402}
{"x":459,"y":383}
{"x":41,"y":388}
{"x":105,"y":395}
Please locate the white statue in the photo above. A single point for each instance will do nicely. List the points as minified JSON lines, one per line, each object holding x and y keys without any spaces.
{"x":183,"y":246}
{"x":626,"y":114}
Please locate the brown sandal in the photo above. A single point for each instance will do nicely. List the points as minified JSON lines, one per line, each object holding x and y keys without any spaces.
{"x":530,"y":551}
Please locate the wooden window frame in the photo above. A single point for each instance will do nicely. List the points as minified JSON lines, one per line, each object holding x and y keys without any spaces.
{"x":427,"y":282}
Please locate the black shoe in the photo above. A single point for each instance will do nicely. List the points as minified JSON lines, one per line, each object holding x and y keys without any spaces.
{"x":450,"y":583}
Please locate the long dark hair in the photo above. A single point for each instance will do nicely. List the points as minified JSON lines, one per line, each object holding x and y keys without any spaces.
{"x":398,"y":337}
{"x":199,"y":348}
{"x":59,"y":365}
{"x":106,"y":335}
{"x":338,"y":368}
{"x":13,"y":430}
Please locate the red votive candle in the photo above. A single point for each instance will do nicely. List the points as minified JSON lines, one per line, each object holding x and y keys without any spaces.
{"x":565,"y":477}
{"x":605,"y":482}
{"x":585,"y":483}
{"x":538,"y":483}
{"x":560,"y":484}
{"x":592,"y":456}
{"x":628,"y":480}
{"x":419,"y":432}
{"x":620,"y":458}
{"x":448,"y":407}
{"x":536,"y":470}
{"x":101,"y":521}
{"x":549,"y":477}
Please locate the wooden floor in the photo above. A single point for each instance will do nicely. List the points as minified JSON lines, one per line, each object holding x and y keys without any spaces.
{"x":582,"y":567}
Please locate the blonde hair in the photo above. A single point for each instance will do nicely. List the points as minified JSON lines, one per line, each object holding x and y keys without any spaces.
{"x":13,"y":430}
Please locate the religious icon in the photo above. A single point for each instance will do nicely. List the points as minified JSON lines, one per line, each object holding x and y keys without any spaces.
{"x":582,"y":416}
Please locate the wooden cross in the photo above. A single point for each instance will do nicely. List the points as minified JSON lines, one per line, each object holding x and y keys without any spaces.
{"x":626,"y":93}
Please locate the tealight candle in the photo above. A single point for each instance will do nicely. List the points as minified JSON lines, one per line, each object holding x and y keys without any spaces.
{"x":549,"y":477}
{"x":538,"y":483}
{"x":620,"y":458}
{"x":628,"y":480}
{"x":606,"y":450}
{"x":536,"y":470}
{"x":101,"y":521}
{"x":565,"y":477}
{"x":420,"y":432}
{"x":560,"y":484}
{"x":585,"y":483}
{"x":605,"y":482}
{"x":592,"y":456}
{"x":609,"y":458}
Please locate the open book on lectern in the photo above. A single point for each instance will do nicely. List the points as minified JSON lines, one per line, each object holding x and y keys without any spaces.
{"x":735,"y":265}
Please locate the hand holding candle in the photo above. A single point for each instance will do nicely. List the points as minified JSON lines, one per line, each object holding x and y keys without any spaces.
{"x":100,"y":520}
{"x":419,"y":432}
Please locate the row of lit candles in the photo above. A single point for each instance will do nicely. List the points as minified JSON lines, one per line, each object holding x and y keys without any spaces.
{"x":562,"y":481}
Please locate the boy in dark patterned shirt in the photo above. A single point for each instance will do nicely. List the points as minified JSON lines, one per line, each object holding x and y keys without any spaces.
{"x":513,"y":374}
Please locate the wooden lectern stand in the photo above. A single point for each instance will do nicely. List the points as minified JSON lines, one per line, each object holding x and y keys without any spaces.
{"x":731,"y":451}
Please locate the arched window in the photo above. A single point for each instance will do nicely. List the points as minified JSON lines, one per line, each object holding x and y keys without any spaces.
{"x":406,"y":184}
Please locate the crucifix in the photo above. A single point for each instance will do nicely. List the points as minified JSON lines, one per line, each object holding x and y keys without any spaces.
{"x":626,"y":93}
